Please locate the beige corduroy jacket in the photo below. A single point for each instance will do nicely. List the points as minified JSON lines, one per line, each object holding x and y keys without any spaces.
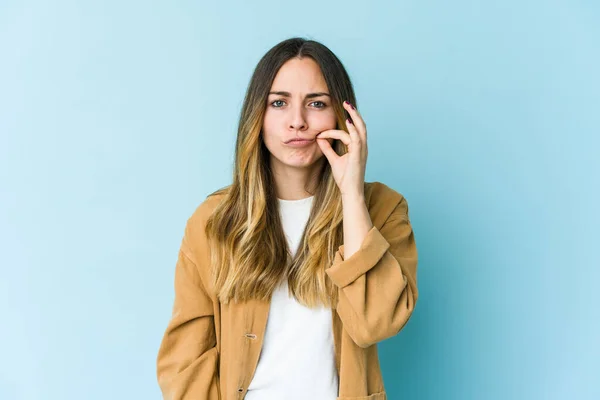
{"x":210,"y":350}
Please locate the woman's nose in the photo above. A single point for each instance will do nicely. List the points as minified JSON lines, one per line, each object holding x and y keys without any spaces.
{"x":297,"y":120}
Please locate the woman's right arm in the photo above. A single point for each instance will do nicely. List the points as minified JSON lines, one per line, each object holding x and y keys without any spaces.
{"x":187,"y":359}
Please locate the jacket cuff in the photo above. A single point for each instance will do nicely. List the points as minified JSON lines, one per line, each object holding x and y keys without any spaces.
{"x":344,"y":272}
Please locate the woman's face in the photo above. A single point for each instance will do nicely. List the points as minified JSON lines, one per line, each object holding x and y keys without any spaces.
{"x":298,"y":107}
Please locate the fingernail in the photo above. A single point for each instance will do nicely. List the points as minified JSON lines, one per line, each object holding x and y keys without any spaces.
{"x":349,"y":120}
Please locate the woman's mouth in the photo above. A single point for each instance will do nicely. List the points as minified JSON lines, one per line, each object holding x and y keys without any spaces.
{"x":299,"y":142}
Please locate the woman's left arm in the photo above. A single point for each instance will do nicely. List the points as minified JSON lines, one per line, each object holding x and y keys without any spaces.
{"x":376,"y":273}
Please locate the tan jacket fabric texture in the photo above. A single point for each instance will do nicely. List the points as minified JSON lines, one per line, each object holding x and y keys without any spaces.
{"x":210,"y":350}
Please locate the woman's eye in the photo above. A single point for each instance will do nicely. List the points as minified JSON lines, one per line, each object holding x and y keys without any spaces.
{"x":319,"y":104}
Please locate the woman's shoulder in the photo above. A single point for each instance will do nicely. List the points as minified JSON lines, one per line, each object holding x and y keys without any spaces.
{"x":378,"y":192}
{"x":197,"y":221}
{"x":381,"y":200}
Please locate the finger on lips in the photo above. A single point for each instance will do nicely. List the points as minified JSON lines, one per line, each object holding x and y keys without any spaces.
{"x":335,"y":134}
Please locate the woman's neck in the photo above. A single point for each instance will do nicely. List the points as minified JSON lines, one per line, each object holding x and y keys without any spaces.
{"x":293,"y":183}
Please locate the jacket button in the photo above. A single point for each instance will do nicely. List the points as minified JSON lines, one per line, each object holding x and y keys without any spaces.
{"x":250,"y":336}
{"x":240,"y":390}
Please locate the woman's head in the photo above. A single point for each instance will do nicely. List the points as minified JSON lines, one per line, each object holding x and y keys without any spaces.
{"x":296,"y":91}
{"x":299,"y":67}
{"x":299,"y":106}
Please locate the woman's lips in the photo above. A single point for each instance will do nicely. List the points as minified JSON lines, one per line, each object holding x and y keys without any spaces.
{"x":299,"y":143}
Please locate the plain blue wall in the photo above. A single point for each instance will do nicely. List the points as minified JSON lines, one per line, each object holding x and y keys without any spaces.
{"x":117,"y":118}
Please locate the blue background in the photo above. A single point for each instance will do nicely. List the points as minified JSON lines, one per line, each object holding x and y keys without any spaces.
{"x":117,"y":118}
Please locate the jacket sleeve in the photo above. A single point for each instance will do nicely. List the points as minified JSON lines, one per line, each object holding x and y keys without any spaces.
{"x":377,"y":285}
{"x":187,"y":359}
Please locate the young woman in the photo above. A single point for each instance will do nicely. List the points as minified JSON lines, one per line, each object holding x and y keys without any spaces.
{"x":289,"y":277}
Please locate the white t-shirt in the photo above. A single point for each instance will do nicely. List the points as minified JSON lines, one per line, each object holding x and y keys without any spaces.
{"x":297,"y":360}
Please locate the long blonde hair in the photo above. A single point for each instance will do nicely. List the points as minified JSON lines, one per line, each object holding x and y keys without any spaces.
{"x":249,"y":250}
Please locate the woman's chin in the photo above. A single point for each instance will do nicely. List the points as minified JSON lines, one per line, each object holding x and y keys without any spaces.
{"x":304,"y":162}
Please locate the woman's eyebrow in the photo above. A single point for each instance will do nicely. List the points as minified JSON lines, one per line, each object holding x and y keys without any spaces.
{"x":308,"y":96}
